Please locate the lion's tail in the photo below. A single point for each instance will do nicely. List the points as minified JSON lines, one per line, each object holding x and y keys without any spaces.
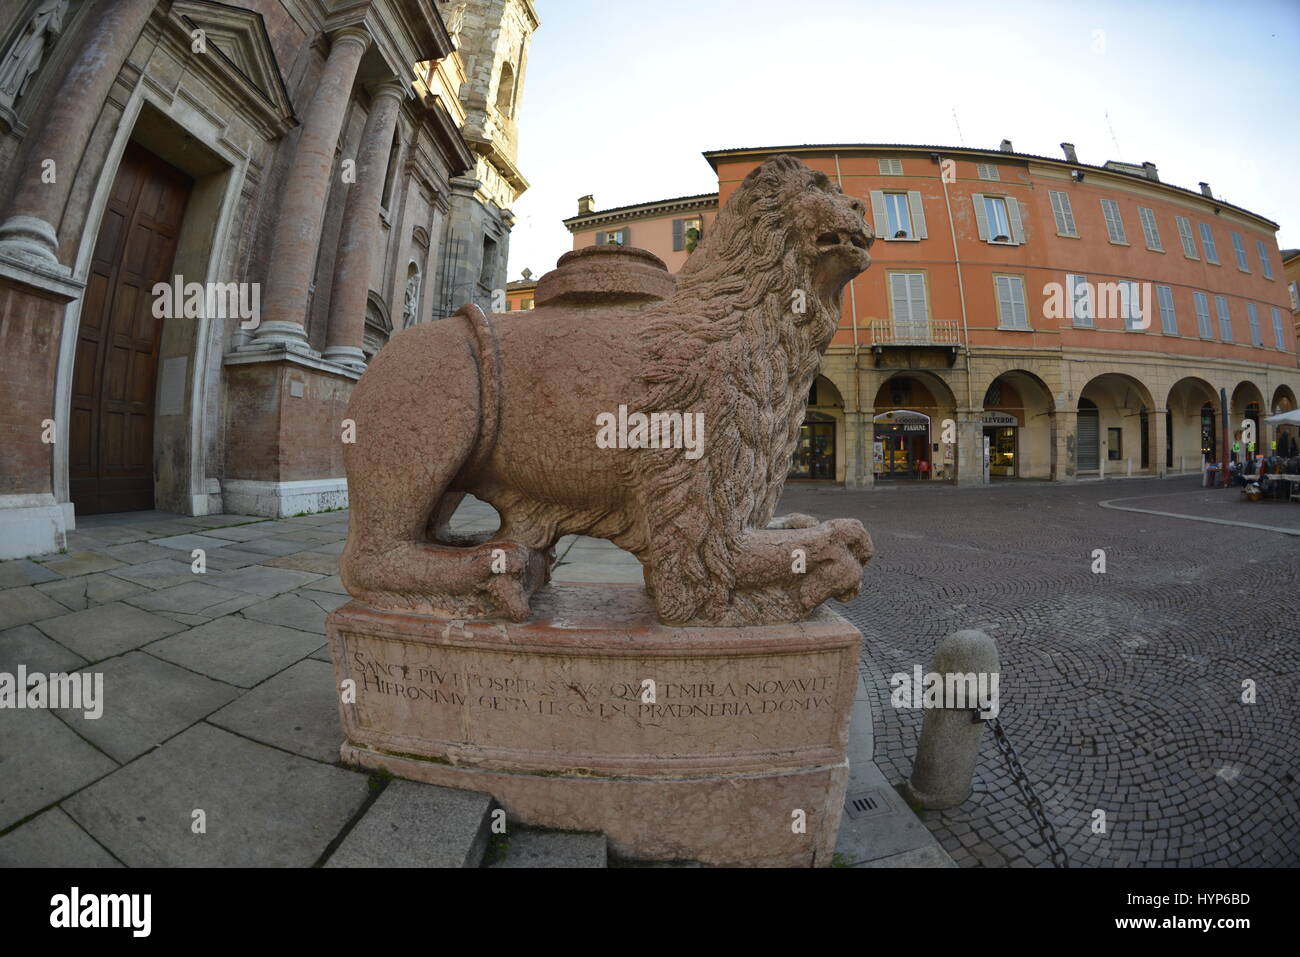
{"x":489,"y":385}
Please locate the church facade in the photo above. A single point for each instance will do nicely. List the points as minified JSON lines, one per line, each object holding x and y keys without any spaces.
{"x":213,"y":216}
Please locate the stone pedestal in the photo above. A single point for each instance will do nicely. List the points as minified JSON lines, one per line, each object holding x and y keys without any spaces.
{"x":742,"y":736}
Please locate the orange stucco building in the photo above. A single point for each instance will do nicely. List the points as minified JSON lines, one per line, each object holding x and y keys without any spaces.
{"x":1026,"y":316}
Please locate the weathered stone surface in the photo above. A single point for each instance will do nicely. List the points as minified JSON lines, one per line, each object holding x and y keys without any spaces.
{"x":82,"y":563}
{"x":107,"y":630}
{"x":521,"y":432}
{"x":193,"y":597}
{"x":236,"y":650}
{"x":26,"y":645}
{"x":86,"y":591}
{"x":526,"y":847}
{"x":52,"y":839}
{"x":24,"y":604}
{"x":146,"y":701}
{"x":43,"y":762}
{"x":297,"y":710}
{"x":261,"y":580}
{"x":23,"y":572}
{"x":161,"y":573}
{"x":293,"y":610}
{"x":252,"y":797}
{"x":748,"y":725}
{"x":418,"y":825}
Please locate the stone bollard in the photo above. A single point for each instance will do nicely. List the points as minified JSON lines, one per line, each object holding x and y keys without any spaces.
{"x":950,"y":739}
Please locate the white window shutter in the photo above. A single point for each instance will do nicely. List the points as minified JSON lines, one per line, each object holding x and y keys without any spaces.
{"x":898,"y":293}
{"x":1004,"y":301}
{"x":981,"y":217}
{"x":918,"y":213}
{"x":916,"y":292}
{"x":878,"y":212}
{"x":1017,"y":227}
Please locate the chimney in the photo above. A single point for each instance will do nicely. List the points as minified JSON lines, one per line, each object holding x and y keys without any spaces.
{"x":585,"y":203}
{"x":1070,"y":155}
{"x":1006,"y":147}
{"x":1205,"y":190}
{"x":1151,"y":171}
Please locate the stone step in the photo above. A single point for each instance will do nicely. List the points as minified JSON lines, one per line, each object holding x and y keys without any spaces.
{"x":531,"y":847}
{"x":419,"y":825}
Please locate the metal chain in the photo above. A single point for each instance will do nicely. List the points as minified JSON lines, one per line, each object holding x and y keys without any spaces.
{"x":1035,"y":806}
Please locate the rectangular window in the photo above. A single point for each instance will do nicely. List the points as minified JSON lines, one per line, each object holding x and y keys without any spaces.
{"x":1252,"y":317}
{"x":987,"y":171}
{"x":620,"y":237}
{"x":898,"y":215}
{"x":1207,"y":241}
{"x":911,"y":311}
{"x":1011,"y":302}
{"x":1203,"y":326}
{"x":1114,"y":444}
{"x":1168,"y":318}
{"x":1131,"y":306}
{"x":1063,"y":213}
{"x":687,"y":234}
{"x":1080,"y":300}
{"x":1265,"y":262}
{"x":1239,"y":249}
{"x":1185,"y":235}
{"x":1149,"y":229}
{"x":1114,"y":224}
{"x":1279,"y":338}
{"x":998,"y":219}
{"x":891,"y":167}
{"x":1225,"y":318}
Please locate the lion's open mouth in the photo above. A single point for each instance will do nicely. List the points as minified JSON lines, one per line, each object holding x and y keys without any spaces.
{"x":843,"y":237}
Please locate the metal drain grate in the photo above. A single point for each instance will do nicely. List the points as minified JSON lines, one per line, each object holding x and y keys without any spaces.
{"x":866,"y":804}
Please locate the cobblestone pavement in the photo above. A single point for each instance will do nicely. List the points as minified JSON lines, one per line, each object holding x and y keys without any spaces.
{"x":1121,"y":691}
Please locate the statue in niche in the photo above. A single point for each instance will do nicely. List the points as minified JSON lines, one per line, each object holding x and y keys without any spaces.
{"x":27,"y":52}
{"x":453,"y":14}
{"x":411,"y":304}
{"x":509,"y":408}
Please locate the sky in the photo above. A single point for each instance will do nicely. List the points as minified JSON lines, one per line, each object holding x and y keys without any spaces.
{"x":622,"y":96}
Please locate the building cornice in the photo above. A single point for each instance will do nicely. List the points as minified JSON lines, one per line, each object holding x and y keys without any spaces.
{"x":620,"y":214}
{"x":714,"y":156}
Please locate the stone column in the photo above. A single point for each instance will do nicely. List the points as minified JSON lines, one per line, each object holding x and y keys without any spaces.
{"x":970,"y":447}
{"x":361,"y":236}
{"x":1065,"y":422}
{"x":859,"y":434}
{"x":1157,"y":440}
{"x":307,"y":184}
{"x":29,"y":234}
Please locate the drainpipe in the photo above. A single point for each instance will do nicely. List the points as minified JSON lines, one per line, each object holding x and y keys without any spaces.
{"x":857,"y":367}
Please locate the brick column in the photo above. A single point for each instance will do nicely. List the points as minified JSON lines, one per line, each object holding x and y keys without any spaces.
{"x":29,"y":233}
{"x":307,"y":185}
{"x":361,"y":237}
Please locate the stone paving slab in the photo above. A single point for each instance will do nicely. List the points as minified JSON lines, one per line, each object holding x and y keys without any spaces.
{"x":135,"y":553}
{"x":188,"y":542}
{"x":44,"y":761}
{"x":27,"y":645}
{"x":160,"y":573}
{"x":241,"y":533}
{"x":293,"y":610}
{"x":418,"y":825}
{"x":306,"y":562}
{"x":525,"y":847}
{"x":237,"y":650}
{"x":24,"y":572}
{"x":82,"y":563}
{"x":86,"y":591}
{"x":332,"y":584}
{"x":107,"y":630}
{"x":52,"y":839}
{"x":25,"y":604}
{"x":145,"y":702}
{"x":262,"y":580}
{"x":296,"y":710}
{"x":192,"y":597}
{"x":273,"y":546}
{"x":263,"y":807}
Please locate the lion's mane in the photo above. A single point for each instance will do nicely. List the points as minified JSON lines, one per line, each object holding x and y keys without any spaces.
{"x":731,"y":343}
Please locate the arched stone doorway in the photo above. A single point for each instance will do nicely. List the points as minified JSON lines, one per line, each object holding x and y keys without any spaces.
{"x":1128,"y":434}
{"x":1247,"y":405}
{"x":1286,"y":437}
{"x":1191,"y":424}
{"x":1019,"y":426}
{"x":908,"y":416}
{"x":819,"y":455}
